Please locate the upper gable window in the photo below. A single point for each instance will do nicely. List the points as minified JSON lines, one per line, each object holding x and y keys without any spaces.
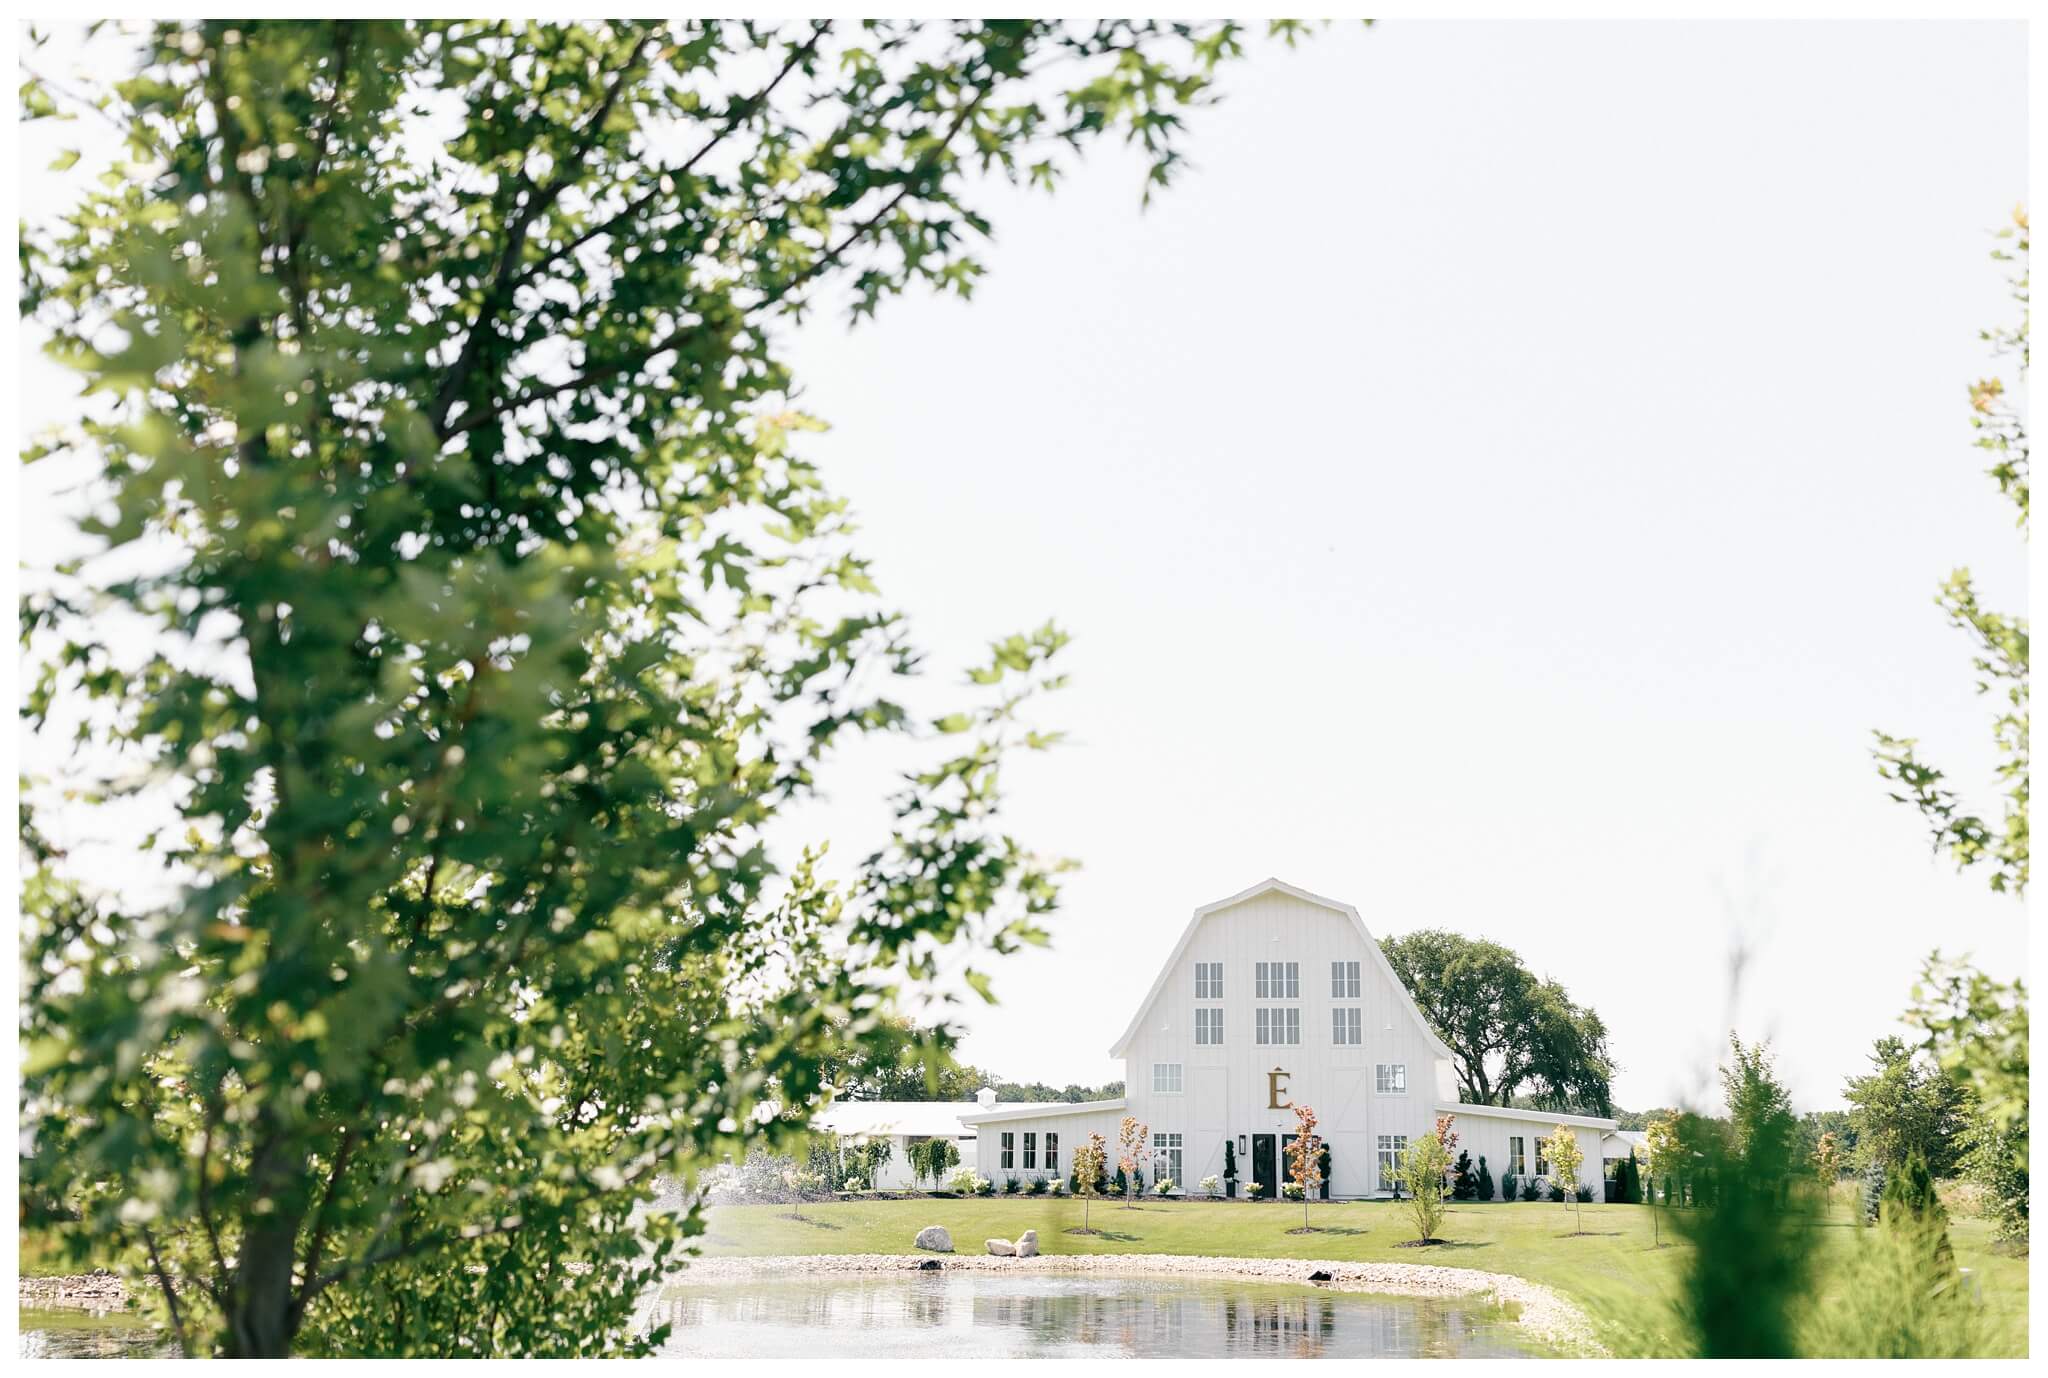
{"x":1208,"y":980}
{"x":1277,"y":980}
{"x":1344,"y":980}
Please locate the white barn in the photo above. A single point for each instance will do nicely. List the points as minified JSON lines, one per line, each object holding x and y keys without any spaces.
{"x":1277,"y":997}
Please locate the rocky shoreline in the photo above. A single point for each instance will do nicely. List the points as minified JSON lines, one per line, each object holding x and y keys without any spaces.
{"x":1543,"y":1315}
{"x":95,"y":1291}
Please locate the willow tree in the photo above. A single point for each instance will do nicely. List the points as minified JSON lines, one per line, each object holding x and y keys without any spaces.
{"x":449,"y":480}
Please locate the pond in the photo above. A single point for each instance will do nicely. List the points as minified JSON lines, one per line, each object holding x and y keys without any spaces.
{"x":76,"y":1334}
{"x":963,"y":1315}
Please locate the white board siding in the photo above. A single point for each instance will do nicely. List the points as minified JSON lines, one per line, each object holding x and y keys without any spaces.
{"x":1227,"y":1090}
{"x":1073,"y":1131}
{"x":1485,"y":1134}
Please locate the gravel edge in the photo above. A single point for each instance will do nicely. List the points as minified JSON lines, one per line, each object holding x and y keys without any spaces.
{"x":1545,"y":1315}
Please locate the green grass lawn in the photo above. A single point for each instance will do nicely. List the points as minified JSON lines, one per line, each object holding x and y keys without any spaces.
{"x":1613,"y":1269}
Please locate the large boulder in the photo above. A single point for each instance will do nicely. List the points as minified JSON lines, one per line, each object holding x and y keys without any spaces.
{"x":1001,"y":1248}
{"x":1027,"y":1244}
{"x":935,"y":1238}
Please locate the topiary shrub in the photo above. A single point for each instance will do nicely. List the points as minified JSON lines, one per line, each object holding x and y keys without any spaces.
{"x":1507,"y":1186}
{"x":1120,"y":1183}
{"x":1485,"y":1180}
{"x":1464,"y":1186}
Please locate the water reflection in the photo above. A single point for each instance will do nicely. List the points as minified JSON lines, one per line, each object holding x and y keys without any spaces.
{"x":992,"y":1315}
{"x":73,"y":1334}
{"x":978,"y":1315}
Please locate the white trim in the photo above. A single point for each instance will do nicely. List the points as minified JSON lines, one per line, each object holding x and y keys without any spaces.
{"x":1267,"y":886}
{"x":1549,"y":1117}
{"x":1044,"y":1110}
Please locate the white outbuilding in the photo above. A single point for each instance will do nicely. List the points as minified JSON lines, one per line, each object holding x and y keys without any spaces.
{"x":903,"y":1123}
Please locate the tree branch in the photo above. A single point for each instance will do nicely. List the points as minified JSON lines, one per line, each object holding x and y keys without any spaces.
{"x":323,"y":1221}
{"x":668,"y":340}
{"x":737,"y":115}
{"x":163,"y":1280}
{"x":538,"y":199}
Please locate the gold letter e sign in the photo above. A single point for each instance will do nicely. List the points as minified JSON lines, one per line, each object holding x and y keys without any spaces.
{"x":1276,"y":1091}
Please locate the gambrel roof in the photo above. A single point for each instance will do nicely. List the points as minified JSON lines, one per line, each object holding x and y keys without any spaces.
{"x":1267,"y":886}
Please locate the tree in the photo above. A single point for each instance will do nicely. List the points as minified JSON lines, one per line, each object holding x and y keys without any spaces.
{"x":1130,"y":1148}
{"x":1038,"y":1093}
{"x":932,"y":1159}
{"x":1632,"y":1191}
{"x":1828,"y":1160}
{"x":492,"y":614}
{"x":1806,"y":1133}
{"x":1660,"y":1157}
{"x":1759,"y":1106}
{"x":900,"y":1060}
{"x":1230,"y":1166}
{"x":1486,"y":1188}
{"x":1508,"y":1032}
{"x":1977,"y":1028}
{"x":1304,"y":1158}
{"x":1088,"y":1160}
{"x":1447,"y":1135}
{"x":1991,"y":1160}
{"x":2002,"y":648}
{"x":1562,"y":1149}
{"x":1903,"y":1105}
{"x":1422,"y":1168}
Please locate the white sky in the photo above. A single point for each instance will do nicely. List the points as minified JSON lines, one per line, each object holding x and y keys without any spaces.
{"x":1502,"y":486}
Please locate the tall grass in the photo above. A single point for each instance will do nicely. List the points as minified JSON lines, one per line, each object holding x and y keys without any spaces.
{"x":1899,"y":1295}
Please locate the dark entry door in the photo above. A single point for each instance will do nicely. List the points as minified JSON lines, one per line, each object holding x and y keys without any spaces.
{"x":1265,"y":1166}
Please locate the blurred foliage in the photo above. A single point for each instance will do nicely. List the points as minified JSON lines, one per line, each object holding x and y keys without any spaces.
{"x":1514,"y":1039}
{"x":491,"y":615}
{"x":1750,"y":1258}
{"x":1977,"y":1028}
{"x":2002,"y":647}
